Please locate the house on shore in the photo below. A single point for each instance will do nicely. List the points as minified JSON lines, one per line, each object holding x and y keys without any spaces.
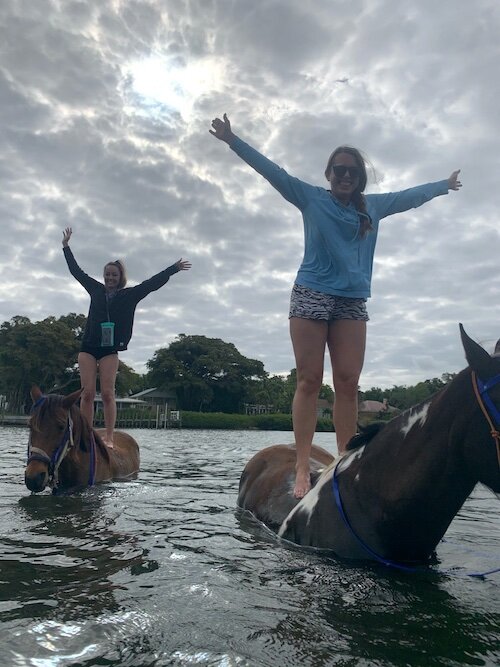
{"x":370,"y":410}
{"x":157,"y":397}
{"x":121,"y":403}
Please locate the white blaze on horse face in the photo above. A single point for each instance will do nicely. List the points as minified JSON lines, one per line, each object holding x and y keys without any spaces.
{"x":414,"y":417}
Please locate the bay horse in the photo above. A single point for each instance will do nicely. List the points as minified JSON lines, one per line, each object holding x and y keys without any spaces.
{"x":392,"y":495}
{"x":65,"y":453}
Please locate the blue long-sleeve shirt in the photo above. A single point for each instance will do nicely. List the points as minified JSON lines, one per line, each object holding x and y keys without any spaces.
{"x":337,"y":260}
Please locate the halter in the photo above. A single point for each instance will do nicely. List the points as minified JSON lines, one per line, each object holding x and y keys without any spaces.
{"x":66,"y":443}
{"x":488,"y":408}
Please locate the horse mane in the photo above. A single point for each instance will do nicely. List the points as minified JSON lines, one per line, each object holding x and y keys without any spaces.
{"x":365,"y":435}
{"x":83,"y":431}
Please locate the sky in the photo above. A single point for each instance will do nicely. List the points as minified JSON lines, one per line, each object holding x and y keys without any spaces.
{"x":105,"y":114}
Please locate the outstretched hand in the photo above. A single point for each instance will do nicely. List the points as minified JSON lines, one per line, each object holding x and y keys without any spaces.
{"x":453,"y":182}
{"x":183,"y":264}
{"x":222,"y":129}
{"x":66,"y":236}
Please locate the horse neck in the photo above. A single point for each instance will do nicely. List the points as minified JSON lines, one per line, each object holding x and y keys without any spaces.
{"x":89,"y":436}
{"x":415,"y":471}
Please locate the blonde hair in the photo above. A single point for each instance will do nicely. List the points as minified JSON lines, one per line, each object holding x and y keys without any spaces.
{"x":121,"y":268}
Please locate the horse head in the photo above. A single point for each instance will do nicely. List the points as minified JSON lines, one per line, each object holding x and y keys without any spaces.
{"x":51,"y":437}
{"x":485,"y":377}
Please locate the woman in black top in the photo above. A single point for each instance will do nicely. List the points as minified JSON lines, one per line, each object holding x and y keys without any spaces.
{"x":109,"y":328}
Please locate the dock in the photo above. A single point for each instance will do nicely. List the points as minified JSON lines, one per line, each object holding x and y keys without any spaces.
{"x":158,"y":422}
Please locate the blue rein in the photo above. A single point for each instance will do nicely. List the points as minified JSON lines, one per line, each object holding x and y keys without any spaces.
{"x":387,"y":561}
{"x":373,"y":554}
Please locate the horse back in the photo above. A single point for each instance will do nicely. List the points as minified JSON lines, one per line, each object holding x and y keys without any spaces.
{"x":268,"y":479}
{"x":124,"y":457}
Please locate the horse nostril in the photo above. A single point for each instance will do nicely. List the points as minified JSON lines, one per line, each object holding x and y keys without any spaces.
{"x":37,"y":482}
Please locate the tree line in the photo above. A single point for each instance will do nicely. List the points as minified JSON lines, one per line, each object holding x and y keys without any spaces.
{"x":207,"y":374}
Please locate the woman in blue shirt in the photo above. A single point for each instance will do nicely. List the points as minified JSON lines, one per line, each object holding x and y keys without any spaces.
{"x":328,"y":302}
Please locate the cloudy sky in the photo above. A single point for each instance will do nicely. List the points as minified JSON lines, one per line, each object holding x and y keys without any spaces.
{"x":105,"y":111}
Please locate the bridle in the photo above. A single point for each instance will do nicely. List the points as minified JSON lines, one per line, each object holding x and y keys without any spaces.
{"x":488,"y":408}
{"x":66,"y":443}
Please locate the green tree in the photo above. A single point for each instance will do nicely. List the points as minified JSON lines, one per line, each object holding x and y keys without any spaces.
{"x":279,"y":391}
{"x":403,"y":397}
{"x":206,"y":373}
{"x":41,"y":352}
{"x":326,"y":392}
{"x":128,"y":381}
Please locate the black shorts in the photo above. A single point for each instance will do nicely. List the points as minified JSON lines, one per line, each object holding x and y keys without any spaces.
{"x":97,"y":352}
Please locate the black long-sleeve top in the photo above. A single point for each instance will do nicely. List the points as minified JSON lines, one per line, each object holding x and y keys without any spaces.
{"x":119,"y":309}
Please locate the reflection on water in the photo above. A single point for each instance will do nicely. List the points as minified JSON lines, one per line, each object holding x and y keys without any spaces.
{"x":166,"y":571}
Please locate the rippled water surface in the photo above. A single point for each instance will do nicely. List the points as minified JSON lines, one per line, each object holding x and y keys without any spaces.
{"x":164,"y":570}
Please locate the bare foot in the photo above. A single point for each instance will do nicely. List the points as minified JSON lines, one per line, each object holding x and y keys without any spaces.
{"x":108,"y":443}
{"x":302,"y":484}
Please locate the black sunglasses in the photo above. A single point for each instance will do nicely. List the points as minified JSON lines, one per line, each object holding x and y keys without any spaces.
{"x":340,"y":171}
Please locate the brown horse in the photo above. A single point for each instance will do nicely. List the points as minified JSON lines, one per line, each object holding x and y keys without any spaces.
{"x":393,"y":494}
{"x":65,"y":453}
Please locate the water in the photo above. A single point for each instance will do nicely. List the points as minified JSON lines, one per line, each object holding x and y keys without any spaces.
{"x":166,"y":571}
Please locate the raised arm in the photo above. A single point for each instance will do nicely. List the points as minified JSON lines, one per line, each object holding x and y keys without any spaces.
{"x":292,"y":189}
{"x":85,"y":281}
{"x":397,"y":202}
{"x":155,"y":282}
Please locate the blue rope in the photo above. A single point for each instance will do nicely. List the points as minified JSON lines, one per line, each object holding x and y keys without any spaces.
{"x":386,"y":561}
{"x":92,"y":464}
{"x":380,"y":559}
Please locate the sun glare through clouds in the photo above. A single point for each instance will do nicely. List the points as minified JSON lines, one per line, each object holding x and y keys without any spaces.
{"x":173,"y":84}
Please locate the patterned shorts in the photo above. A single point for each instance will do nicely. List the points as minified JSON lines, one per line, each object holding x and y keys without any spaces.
{"x":311,"y":305}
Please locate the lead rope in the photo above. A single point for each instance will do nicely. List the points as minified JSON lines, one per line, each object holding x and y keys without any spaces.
{"x":493,"y":431}
{"x":92,"y":459}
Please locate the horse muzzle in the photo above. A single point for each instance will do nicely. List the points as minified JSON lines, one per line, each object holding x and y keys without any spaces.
{"x":36,"y":479}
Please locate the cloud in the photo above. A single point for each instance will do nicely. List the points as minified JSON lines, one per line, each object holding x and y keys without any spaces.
{"x":105,"y":114}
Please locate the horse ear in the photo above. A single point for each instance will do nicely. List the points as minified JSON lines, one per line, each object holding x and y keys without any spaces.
{"x":70,"y":399}
{"x":35,"y":393}
{"x":479,"y":360}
